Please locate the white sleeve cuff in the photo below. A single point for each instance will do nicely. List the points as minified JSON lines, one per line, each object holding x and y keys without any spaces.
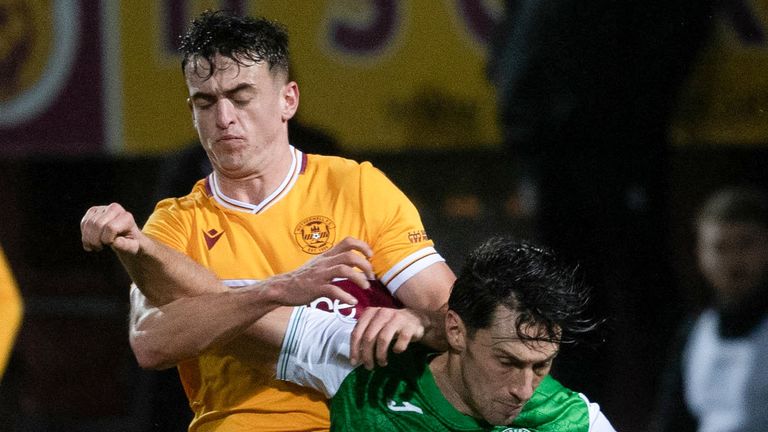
{"x":408,"y":267}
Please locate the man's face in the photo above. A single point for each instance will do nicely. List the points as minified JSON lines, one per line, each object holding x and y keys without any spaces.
{"x":733,"y":258}
{"x":240,"y":114}
{"x":500,"y":372}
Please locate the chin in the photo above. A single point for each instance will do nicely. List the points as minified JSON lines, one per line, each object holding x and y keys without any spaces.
{"x":502,"y":418}
{"x":501,"y":421}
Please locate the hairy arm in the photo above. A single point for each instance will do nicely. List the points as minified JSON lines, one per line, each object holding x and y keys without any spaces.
{"x":161,"y":336}
{"x":180,"y":309}
{"x":427,"y":294}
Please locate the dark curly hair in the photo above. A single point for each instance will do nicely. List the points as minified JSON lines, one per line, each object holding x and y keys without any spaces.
{"x":527,"y":280}
{"x":245,"y":40}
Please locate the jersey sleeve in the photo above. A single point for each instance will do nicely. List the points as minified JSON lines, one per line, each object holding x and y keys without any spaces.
{"x":401,"y":245}
{"x":597,"y":420}
{"x":315,"y":350}
{"x":10,"y":311}
{"x":168,"y":225}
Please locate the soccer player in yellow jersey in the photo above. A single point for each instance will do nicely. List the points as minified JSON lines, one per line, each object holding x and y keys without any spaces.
{"x":278,"y":224}
{"x":10,"y":311}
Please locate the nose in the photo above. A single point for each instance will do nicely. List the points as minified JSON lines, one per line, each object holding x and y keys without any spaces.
{"x":523,"y":385}
{"x":225,"y":113}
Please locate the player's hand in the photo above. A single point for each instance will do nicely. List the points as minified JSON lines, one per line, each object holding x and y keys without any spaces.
{"x":348,"y":259}
{"x":377,"y":328}
{"x":110,"y":225}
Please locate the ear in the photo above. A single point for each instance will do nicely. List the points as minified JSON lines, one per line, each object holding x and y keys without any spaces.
{"x":455,"y":331}
{"x":290,"y":100}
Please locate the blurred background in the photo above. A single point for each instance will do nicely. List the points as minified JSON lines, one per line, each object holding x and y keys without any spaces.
{"x":594,"y":127}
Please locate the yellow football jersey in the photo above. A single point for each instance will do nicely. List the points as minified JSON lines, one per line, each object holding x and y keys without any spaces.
{"x":321,"y":201}
{"x":10,"y":311}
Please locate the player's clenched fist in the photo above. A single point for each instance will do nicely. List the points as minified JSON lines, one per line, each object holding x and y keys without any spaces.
{"x":112,"y":226}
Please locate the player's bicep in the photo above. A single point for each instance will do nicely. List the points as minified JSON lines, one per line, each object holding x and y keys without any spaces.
{"x":428,"y":289}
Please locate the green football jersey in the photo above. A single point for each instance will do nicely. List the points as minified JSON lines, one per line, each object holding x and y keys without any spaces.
{"x":403,"y":396}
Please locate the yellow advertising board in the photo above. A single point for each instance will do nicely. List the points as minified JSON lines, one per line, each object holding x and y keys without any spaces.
{"x":726,"y":99}
{"x":381,"y":75}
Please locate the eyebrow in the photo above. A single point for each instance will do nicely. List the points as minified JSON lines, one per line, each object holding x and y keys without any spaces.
{"x":227,"y":93}
{"x":518,"y":359}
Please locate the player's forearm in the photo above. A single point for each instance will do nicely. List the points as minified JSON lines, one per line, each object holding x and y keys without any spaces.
{"x":426,"y":294}
{"x":164,"y":275}
{"x":166,"y":332}
{"x":434,"y":328}
{"x":163,"y":336}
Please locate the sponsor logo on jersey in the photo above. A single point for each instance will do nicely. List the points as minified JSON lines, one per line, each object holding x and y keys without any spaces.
{"x":417,"y":236}
{"x":516,"y":430}
{"x":403,"y":406}
{"x":315,"y":234}
{"x":211,"y":237}
{"x":346,"y":312}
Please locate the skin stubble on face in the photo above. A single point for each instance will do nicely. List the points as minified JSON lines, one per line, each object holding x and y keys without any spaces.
{"x":492,"y":374}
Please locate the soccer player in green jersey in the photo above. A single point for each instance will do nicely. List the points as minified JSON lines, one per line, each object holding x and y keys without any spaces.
{"x":511,"y":307}
{"x":509,"y":311}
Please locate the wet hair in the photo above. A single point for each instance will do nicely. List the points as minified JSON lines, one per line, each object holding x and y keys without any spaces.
{"x":527,"y":280}
{"x":245,"y":40}
{"x":735,"y":204}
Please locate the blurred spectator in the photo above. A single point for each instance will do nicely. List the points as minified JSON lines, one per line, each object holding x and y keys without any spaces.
{"x":10,"y":312}
{"x":715,"y":381}
{"x":585,"y":92}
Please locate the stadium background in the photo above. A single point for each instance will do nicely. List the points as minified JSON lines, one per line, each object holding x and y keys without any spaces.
{"x":92,"y":100}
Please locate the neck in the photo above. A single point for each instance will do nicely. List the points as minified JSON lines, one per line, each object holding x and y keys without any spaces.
{"x":256,"y":186}
{"x":742,"y":318}
{"x":448,"y":380}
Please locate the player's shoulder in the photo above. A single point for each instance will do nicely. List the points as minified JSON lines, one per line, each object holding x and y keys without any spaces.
{"x":554,"y":406}
{"x":338,"y":166}
{"x":549,"y":386}
{"x":194,"y":199}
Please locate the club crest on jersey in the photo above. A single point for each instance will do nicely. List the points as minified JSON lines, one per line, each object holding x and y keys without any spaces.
{"x":315,"y":234}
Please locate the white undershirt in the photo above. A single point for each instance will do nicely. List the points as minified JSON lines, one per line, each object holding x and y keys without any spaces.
{"x":716,"y":374}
